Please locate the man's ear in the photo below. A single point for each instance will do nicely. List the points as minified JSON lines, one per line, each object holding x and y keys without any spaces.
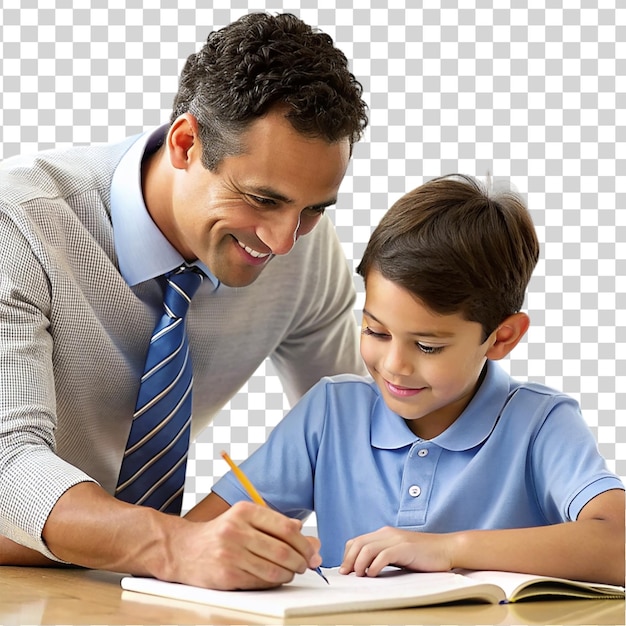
{"x":508,"y":335}
{"x":183,"y":141}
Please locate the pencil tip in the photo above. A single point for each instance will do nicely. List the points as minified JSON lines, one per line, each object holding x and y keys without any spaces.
{"x":319,"y":571}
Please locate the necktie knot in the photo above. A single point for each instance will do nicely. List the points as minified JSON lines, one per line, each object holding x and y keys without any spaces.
{"x":180,"y":286}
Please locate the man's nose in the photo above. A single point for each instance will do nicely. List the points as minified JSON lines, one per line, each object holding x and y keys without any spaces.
{"x":280,"y":232}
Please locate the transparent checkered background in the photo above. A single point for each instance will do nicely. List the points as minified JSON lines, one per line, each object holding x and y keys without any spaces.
{"x":534,"y":95}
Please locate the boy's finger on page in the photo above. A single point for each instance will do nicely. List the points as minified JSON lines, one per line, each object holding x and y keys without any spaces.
{"x":355,"y":559}
{"x":380,"y":561}
{"x":350,"y":553}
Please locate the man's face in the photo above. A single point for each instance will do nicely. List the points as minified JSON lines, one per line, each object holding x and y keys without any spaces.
{"x":256,"y":204}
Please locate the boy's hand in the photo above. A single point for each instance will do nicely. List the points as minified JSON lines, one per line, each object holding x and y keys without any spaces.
{"x":366,"y":555}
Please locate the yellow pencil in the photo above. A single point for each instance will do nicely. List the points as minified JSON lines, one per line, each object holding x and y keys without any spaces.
{"x":244,"y":480}
{"x":253,"y":493}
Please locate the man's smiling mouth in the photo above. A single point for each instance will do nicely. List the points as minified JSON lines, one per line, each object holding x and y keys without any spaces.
{"x":254,"y":253}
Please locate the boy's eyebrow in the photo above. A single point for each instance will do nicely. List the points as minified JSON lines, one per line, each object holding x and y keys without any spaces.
{"x":433,"y":334}
{"x":272,"y":194}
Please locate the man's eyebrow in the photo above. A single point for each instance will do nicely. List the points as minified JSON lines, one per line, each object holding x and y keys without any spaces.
{"x":272,"y":194}
{"x":429,"y":334}
{"x":323,"y":205}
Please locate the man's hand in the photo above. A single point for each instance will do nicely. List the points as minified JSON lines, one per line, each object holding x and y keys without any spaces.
{"x":246,"y":547}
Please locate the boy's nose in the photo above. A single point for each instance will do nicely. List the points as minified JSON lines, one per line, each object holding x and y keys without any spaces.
{"x":397,"y":362}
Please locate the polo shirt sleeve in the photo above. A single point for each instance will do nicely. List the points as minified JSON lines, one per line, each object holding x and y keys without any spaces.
{"x":568,"y":470}
{"x":283,"y":468}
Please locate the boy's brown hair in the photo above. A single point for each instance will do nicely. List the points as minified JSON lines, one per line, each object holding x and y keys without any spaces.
{"x":458,"y":248}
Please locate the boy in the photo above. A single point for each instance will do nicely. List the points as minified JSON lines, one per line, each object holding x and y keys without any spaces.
{"x":440,"y":460}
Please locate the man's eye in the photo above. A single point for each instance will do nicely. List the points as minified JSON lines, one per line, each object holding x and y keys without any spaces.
{"x":262,"y":201}
{"x":314,"y":211}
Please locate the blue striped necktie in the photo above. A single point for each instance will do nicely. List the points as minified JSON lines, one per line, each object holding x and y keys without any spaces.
{"x":153,"y":468}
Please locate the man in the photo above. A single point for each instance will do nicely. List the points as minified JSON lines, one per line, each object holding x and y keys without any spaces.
{"x":258,"y":143}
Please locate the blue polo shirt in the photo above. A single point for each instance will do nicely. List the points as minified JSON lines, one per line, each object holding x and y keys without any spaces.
{"x":520,"y":455}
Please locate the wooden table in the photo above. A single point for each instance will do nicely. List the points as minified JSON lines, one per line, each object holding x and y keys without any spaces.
{"x":74,"y":596}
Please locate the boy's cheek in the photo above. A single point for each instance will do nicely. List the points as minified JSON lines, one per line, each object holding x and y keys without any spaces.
{"x":367,"y":352}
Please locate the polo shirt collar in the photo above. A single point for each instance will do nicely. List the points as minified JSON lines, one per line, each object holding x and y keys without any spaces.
{"x":143,"y":252}
{"x":389,"y":431}
{"x":473,"y":426}
{"x":480,"y":416}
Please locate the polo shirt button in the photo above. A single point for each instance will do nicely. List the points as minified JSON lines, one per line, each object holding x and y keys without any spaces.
{"x":422,"y":452}
{"x":414,"y":491}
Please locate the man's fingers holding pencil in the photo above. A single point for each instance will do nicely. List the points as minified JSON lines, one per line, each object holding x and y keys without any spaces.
{"x":278,"y":528}
{"x":241,"y":554}
{"x":278,"y":538}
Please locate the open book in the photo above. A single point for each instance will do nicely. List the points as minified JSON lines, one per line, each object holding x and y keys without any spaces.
{"x":308,"y":594}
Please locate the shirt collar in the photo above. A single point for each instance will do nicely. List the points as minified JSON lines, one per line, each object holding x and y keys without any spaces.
{"x":473,"y":426}
{"x":143,"y":252}
{"x":389,"y":431}
{"x":480,"y":416}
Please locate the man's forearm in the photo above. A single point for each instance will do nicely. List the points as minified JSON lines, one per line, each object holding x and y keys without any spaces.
{"x":12,"y":553}
{"x":91,"y":528}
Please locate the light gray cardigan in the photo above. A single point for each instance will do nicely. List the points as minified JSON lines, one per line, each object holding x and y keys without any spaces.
{"x":73,"y":334}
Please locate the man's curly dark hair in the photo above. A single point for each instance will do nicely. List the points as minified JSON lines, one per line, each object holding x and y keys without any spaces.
{"x":259,"y":61}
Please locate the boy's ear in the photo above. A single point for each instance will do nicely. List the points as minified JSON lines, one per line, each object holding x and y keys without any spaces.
{"x":508,"y":335}
{"x":182,"y":139}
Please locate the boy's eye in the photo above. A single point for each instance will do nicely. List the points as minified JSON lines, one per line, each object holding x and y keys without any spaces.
{"x":429,"y":349}
{"x":426,"y":349}
{"x":368,"y":331}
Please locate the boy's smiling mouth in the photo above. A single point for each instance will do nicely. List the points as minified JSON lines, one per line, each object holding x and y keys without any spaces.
{"x":402,"y":392}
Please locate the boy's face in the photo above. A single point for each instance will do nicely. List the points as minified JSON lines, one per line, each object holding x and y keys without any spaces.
{"x":426,"y":365}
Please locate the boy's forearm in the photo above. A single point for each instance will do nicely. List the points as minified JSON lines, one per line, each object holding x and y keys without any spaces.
{"x":591,"y":550}
{"x":207,"y":509}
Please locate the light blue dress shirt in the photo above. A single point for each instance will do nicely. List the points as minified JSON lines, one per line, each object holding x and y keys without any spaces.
{"x":520,"y":455}
{"x":142,"y":250}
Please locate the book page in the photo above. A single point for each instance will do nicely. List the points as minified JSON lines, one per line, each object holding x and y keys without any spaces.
{"x":308,"y":594}
{"x":517,"y":586}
